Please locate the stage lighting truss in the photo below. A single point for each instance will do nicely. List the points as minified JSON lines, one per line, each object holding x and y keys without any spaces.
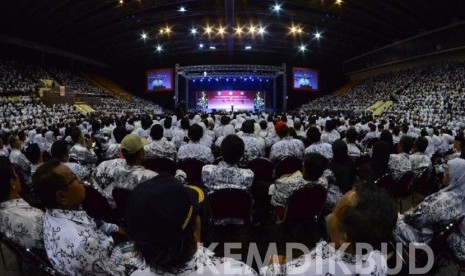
{"x":230,"y":71}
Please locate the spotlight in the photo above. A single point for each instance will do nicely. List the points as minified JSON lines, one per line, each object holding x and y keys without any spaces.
{"x":121,"y":2}
{"x":248,"y":47}
{"x":221,"y":30}
{"x":317,"y":35}
{"x":276,"y":8}
{"x":159,"y":48}
{"x":162,"y":31}
{"x":182,"y":9}
{"x":303,"y":48}
{"x":168,"y":30}
{"x":261,"y":30}
{"x":201,"y":47}
{"x":338,"y":2}
{"x":238,"y":30}
{"x":208,"y":30}
{"x":252,"y":29}
{"x":143,"y":36}
{"x":293,"y":29}
{"x":194,"y":31}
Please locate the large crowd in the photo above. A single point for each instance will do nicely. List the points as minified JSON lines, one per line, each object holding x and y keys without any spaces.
{"x":52,"y":155}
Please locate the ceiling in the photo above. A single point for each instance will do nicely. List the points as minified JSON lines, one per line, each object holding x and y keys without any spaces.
{"x":111,"y":32}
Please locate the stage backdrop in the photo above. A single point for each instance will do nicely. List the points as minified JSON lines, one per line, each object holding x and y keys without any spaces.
{"x":220,"y":100}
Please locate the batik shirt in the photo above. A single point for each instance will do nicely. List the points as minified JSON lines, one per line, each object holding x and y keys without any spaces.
{"x":253,"y":149}
{"x":287,"y":147}
{"x":76,"y":246}
{"x":22,"y":164}
{"x":419,"y":162}
{"x":286,"y":185}
{"x":79,"y":170}
{"x":324,"y":259}
{"x":322,"y":148}
{"x":352,"y":150}
{"x":203,"y":262}
{"x":22,"y":223}
{"x":399,"y":164}
{"x":330,"y":137}
{"x":4,"y":152}
{"x":196,"y":151}
{"x":104,"y":175}
{"x":82,"y":155}
{"x":224,"y":175}
{"x":161,"y":149}
{"x":127,"y":177}
{"x":113,"y":151}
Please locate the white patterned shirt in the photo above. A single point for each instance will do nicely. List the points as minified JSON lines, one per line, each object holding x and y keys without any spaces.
{"x":322,"y":148}
{"x":419,"y":161}
{"x":82,"y":155}
{"x":161,"y":148}
{"x":113,"y":151}
{"x":330,"y":137}
{"x":399,"y":164}
{"x":76,"y":246}
{"x":22,"y":223}
{"x":203,"y":262}
{"x":196,"y":151}
{"x":104,"y":175}
{"x":224,"y":175}
{"x":352,"y":150}
{"x":324,"y":259}
{"x":22,"y":164}
{"x":254,"y":148}
{"x":287,"y":147}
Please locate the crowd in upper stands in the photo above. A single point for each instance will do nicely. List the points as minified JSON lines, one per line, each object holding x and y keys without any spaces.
{"x":50,"y":157}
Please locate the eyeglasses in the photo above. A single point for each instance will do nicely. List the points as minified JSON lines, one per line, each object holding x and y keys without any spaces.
{"x":71,"y":181}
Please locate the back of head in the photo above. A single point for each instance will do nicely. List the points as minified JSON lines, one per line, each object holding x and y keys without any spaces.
{"x":421,"y":143}
{"x":47,"y":182}
{"x":119,"y":132}
{"x":33,"y":153}
{"x":60,"y":149}
{"x":351,"y":135}
{"x":185,"y":123}
{"x":281,"y":128}
{"x":263,"y":124}
{"x":248,"y":126}
{"x":156,"y":132}
{"x":313,"y":134}
{"x":406,"y":143}
{"x":371,"y":219}
{"x":340,"y":151}
{"x":232,"y":149}
{"x":387,"y":137}
{"x":168,"y":122}
{"x":195,"y":132}
{"x":76,"y":133}
{"x":314,"y":166}
{"x":380,"y":157}
{"x":225,"y":120}
{"x":6,"y":174}
{"x":146,"y":122}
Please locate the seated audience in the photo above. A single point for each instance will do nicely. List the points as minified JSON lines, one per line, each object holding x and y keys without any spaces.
{"x":82,"y":151}
{"x":400,"y":163}
{"x":19,"y":222}
{"x":360,"y":217}
{"x":75,"y":243}
{"x":316,"y":145}
{"x":19,"y":160}
{"x":378,"y":165}
{"x":419,"y":159}
{"x":351,"y":138}
{"x":163,"y":221}
{"x":342,"y":167}
{"x":114,"y":150}
{"x":254,"y":148}
{"x":194,"y":150}
{"x":227,"y":174}
{"x":423,"y":222}
{"x":287,"y":146}
{"x":160,"y":147}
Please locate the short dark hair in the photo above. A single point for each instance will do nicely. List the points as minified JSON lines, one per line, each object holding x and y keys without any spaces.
{"x":119,"y":133}
{"x":248,"y":126}
{"x":421,"y":144}
{"x":406,"y":142}
{"x":195,"y":132}
{"x":59,"y":149}
{"x":263,"y":124}
{"x":156,"y":132}
{"x":313,"y":134}
{"x":351,"y":135}
{"x":232,"y":149}
{"x":6,"y":174}
{"x":372,"y":219}
{"x":33,"y":153}
{"x":315,"y":164}
{"x":75,"y":134}
{"x":47,"y":182}
{"x":146,"y":122}
{"x":168,"y":122}
{"x":225,"y":120}
{"x":185,"y":123}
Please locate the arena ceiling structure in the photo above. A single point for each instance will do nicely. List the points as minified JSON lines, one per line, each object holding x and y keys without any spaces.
{"x":134,"y":31}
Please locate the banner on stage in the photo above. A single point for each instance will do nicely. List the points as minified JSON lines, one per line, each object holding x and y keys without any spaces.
{"x":225,"y":99}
